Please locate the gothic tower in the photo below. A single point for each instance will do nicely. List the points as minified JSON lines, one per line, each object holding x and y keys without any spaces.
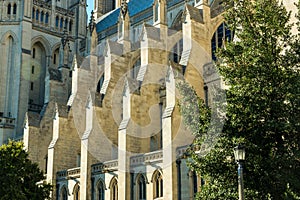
{"x":38,"y":41}
{"x":104,"y":6}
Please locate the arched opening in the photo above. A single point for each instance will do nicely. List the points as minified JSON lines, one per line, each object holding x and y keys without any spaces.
{"x":76,"y":192}
{"x":222,"y":35}
{"x":114,"y":189}
{"x":61,"y":23}
{"x":9,"y":9}
{"x":100,"y":190}
{"x":15,"y":9}
{"x":8,"y":76}
{"x":141,"y":187}
{"x":47,"y":18}
{"x":56,"y":21}
{"x":37,"y":14}
{"x":42,"y":16}
{"x":157,"y":181}
{"x":64,"y":193}
{"x":37,"y":79}
{"x":55,"y":58}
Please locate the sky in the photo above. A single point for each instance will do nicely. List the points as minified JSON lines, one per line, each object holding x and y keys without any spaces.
{"x":90,"y":7}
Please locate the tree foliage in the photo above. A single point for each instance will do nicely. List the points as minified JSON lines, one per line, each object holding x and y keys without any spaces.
{"x":261,"y":69}
{"x":19,"y":177}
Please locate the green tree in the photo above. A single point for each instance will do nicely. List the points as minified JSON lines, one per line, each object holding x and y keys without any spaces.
{"x":261,"y":69}
{"x":19,"y":177}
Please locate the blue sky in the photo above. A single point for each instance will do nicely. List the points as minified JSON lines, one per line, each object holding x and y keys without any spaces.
{"x":90,"y":7}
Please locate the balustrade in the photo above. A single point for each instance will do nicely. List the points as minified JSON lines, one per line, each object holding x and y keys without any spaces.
{"x":7,"y":122}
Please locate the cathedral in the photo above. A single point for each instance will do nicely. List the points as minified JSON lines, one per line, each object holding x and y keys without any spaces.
{"x":95,"y":100}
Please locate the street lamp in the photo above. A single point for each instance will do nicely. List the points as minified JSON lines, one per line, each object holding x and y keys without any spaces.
{"x":239,"y":155}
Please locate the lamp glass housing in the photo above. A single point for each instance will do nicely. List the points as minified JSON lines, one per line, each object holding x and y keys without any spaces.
{"x":239,"y":153}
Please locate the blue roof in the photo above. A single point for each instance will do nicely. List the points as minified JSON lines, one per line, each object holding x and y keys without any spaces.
{"x":173,"y":2}
{"x":134,"y":7}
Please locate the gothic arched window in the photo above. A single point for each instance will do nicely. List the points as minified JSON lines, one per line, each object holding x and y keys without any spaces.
{"x":15,"y":9}
{"x":76,"y":192}
{"x":64,"y":194}
{"x":66,"y":24}
{"x":141,"y":187}
{"x":56,"y":21}
{"x":61,"y":22}
{"x":47,"y":18}
{"x":37,"y":14}
{"x":157,"y":184}
{"x":222,"y":35}
{"x":114,"y":189}
{"x":9,"y":9}
{"x":42,"y":16}
{"x":100,"y":190}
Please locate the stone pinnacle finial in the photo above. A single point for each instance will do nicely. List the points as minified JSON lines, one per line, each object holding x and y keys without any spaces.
{"x":92,"y":23}
{"x":124,"y":8}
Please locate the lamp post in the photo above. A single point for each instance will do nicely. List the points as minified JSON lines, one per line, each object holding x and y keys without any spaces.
{"x":239,"y":155}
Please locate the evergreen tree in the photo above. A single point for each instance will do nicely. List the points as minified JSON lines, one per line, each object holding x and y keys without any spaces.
{"x":261,"y":69}
{"x":19,"y":177}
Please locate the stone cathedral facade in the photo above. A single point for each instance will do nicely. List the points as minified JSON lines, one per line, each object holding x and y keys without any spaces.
{"x":38,"y":39}
{"x":96,"y":103}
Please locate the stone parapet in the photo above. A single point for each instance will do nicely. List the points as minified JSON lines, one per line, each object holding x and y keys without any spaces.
{"x":7,"y":122}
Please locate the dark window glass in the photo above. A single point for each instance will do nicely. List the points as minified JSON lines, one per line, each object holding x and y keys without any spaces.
{"x":42,"y":16}
{"x":70,"y":26}
{"x":158,"y":185}
{"x":64,"y":195}
{"x":15,"y":9}
{"x":54,"y":58}
{"x":33,"y":13}
{"x":142,"y":188}
{"x":61,"y":22}
{"x":100,"y":191}
{"x":47,"y":18}
{"x":37,"y":15}
{"x":56,"y":21}
{"x":33,"y":53}
{"x":66,"y":24}
{"x":9,"y":9}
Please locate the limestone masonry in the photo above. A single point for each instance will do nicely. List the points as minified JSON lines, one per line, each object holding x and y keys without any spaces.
{"x":96,"y":102}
